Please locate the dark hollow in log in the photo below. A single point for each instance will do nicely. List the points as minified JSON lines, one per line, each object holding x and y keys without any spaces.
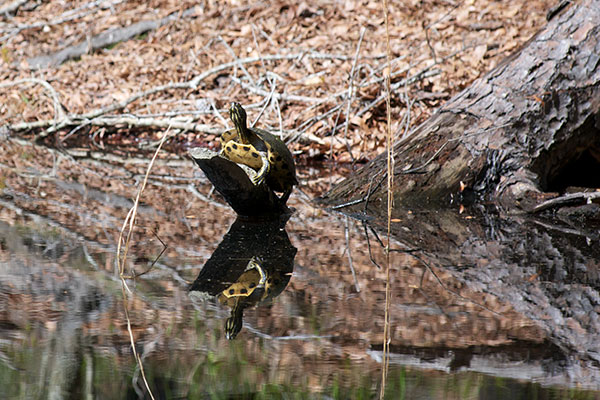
{"x":530,"y":125}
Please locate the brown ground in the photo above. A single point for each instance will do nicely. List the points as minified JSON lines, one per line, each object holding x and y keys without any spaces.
{"x":441,"y":45}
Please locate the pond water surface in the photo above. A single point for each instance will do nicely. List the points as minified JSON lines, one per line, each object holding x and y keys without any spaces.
{"x":303,"y":303}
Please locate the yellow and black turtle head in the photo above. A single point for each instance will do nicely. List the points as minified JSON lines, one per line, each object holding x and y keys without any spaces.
{"x":238,"y":116}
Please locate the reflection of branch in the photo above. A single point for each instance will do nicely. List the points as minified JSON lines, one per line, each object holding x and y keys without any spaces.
{"x":428,"y":267}
{"x":125,"y":239}
{"x":192,"y":189}
{"x":289,"y":337}
{"x":9,"y":205}
{"x":588,"y":234}
{"x":138,"y":274}
{"x":348,"y":250}
{"x":570,"y":199}
{"x":454,"y":292}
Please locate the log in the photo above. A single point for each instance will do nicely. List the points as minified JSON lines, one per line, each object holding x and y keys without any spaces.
{"x":232,"y":181}
{"x":531,"y":125}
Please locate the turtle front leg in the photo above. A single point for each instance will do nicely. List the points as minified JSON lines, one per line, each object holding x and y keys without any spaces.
{"x":255,"y":263}
{"x":233,"y":324}
{"x":262,"y":173}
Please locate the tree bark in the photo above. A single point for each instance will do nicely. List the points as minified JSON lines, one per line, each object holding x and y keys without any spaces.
{"x":530,"y":125}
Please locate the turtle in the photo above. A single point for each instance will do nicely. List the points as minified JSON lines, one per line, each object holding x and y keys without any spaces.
{"x":239,"y":293}
{"x":260,"y":150}
{"x":254,"y":286}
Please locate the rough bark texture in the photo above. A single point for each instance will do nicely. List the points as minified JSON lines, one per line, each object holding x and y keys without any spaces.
{"x":530,"y":125}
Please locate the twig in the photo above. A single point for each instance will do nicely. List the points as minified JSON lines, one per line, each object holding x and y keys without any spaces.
{"x":374,"y":77}
{"x":110,"y":121}
{"x":258,"y":47}
{"x":238,"y":64}
{"x":311,"y":121}
{"x":264,"y":107}
{"x":191,"y":84}
{"x":217,"y":113}
{"x":279,"y":118}
{"x":390,"y":197}
{"x":335,"y":124}
{"x":431,"y":49}
{"x":350,"y":96}
{"x":347,"y":204}
{"x":552,"y":12}
{"x":423,"y":73}
{"x":278,"y":96}
{"x":567,"y":200}
{"x":369,"y":245}
{"x":67,"y":16}
{"x":426,"y":163}
{"x":131,"y":216}
{"x":370,"y":192}
{"x":122,"y":257}
{"x":406,"y":117}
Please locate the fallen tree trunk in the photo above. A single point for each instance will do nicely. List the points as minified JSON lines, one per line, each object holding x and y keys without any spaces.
{"x":531,"y":125}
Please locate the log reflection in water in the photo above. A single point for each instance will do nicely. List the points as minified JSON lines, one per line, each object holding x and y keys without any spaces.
{"x":252,"y":264}
{"x":547,"y":267}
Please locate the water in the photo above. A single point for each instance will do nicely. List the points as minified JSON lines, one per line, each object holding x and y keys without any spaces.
{"x":314,"y":331}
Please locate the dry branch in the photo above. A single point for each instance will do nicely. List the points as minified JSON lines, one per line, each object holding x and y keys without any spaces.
{"x":92,"y":117}
{"x":71,"y":15}
{"x":104,"y":39}
{"x":11,"y":7}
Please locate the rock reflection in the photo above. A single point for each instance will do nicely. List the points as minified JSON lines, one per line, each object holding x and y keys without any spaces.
{"x":252,"y":265}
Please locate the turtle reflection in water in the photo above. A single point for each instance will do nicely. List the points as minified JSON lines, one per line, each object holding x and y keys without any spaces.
{"x":260,"y":150}
{"x":252,"y":287}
